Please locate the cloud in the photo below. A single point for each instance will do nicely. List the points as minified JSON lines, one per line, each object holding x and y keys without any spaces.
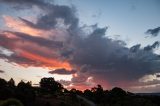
{"x":62,"y":71}
{"x":23,"y":4}
{"x":52,"y":13}
{"x":1,"y":71}
{"x":153,"y":32}
{"x":6,"y":52}
{"x":152,"y":47}
{"x":32,"y":42}
{"x":38,"y":40}
{"x":135,"y":48}
{"x":158,"y":76}
{"x":31,"y":51}
{"x":109,"y":62}
{"x":39,"y":76}
{"x":64,"y":82}
{"x":17,"y":24}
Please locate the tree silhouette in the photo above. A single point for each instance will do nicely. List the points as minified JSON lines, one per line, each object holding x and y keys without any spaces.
{"x":11,"y":83}
{"x":88,"y":94}
{"x":25,"y":92}
{"x":49,"y":85}
{"x":23,"y":85}
{"x":3,"y":83}
{"x":118,"y":92}
{"x":98,"y":93}
{"x":4,"y":90}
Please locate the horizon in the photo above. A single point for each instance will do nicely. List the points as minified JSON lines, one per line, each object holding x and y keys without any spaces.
{"x":82,"y":43}
{"x":38,"y":85}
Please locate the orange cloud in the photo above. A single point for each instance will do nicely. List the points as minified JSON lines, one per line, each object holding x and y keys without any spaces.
{"x":50,"y":63}
{"x":33,"y":53}
{"x":20,"y":26}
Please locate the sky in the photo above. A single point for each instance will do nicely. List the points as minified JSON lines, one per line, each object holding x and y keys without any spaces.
{"x":82,"y":43}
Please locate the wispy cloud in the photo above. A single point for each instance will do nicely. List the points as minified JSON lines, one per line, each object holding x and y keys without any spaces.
{"x":153,"y":32}
{"x":62,"y":71}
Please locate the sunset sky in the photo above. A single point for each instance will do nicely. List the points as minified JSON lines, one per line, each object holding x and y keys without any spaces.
{"x":82,"y":43}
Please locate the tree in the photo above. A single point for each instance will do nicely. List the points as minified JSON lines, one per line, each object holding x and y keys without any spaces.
{"x":73,"y":90}
{"x":97,"y":89}
{"x":4,"y":91}
{"x":49,"y":85}
{"x":118,"y":92}
{"x":98,"y":93}
{"x":25,"y":93}
{"x":11,"y":83}
{"x":88,"y":94}
{"x":3,"y":83}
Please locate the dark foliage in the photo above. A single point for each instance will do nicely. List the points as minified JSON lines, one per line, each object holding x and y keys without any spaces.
{"x":119,"y":97}
{"x":49,"y":85}
{"x":25,"y":94}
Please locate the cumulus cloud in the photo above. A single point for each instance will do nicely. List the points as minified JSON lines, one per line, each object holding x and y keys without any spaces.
{"x":62,"y":71}
{"x":56,"y":40}
{"x":108,"y":59}
{"x":153,"y":32}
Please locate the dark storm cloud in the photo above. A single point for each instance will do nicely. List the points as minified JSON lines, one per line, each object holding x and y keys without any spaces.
{"x":152,"y":47}
{"x":38,"y":40}
{"x":135,"y":48}
{"x":66,"y":13}
{"x":49,"y":20}
{"x":62,"y":71}
{"x":158,"y":76}
{"x":23,"y":4}
{"x":53,"y":12}
{"x":15,"y":58}
{"x":153,"y":32}
{"x":109,"y":59}
{"x":1,"y":71}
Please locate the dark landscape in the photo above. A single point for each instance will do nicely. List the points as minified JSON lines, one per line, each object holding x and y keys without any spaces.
{"x":52,"y":93}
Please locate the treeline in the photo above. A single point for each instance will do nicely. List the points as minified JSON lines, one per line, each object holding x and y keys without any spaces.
{"x":119,"y":97}
{"x":23,"y":94}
